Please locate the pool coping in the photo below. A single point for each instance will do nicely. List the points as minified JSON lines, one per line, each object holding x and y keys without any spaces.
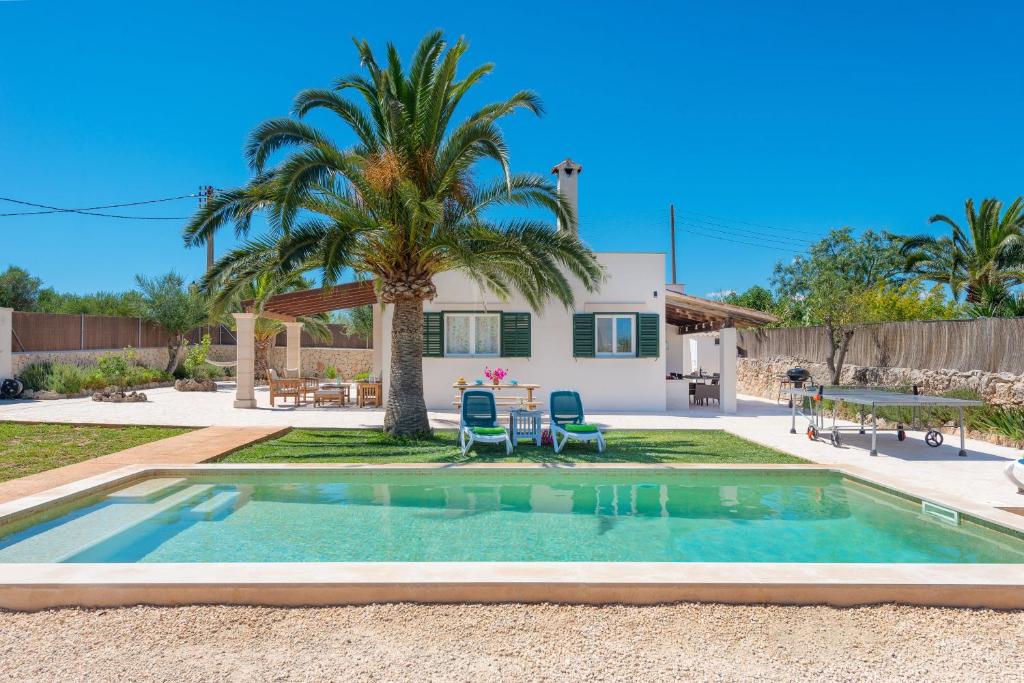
{"x":41,"y":586}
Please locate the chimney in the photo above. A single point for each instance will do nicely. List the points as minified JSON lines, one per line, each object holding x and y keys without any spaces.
{"x":568,"y":173}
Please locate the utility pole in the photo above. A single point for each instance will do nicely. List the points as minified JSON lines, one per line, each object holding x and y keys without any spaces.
{"x":672,"y":223}
{"x":205,"y":195}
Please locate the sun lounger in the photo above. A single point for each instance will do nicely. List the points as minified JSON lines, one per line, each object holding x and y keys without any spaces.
{"x":479,"y":422}
{"x":568,"y":422}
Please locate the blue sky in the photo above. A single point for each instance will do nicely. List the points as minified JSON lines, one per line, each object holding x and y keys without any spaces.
{"x":799,"y":116}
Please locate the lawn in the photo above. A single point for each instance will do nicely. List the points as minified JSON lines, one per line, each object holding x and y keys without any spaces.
{"x":653,"y":446}
{"x":30,"y":448}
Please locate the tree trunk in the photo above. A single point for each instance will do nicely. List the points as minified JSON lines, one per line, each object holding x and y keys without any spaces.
{"x":838,"y":344}
{"x":261,"y":364}
{"x":406,"y":413}
{"x":174,"y":346}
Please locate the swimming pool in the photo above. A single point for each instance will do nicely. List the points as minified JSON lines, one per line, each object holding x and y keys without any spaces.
{"x":534,"y":515}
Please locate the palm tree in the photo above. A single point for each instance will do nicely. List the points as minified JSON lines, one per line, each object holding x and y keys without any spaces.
{"x":403,"y":203}
{"x":236,"y":289}
{"x":989,"y":253}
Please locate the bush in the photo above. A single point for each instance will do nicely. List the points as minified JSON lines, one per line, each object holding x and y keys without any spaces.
{"x":195,"y":359}
{"x":94,"y":380}
{"x":36,"y":375}
{"x":1008,"y":422}
{"x":362,"y":376}
{"x":114,"y":368}
{"x":65,"y":378}
{"x":331,"y":372}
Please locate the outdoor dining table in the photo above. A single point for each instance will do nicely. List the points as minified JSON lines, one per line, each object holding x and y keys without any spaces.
{"x":699,"y":378}
{"x":515,"y":401}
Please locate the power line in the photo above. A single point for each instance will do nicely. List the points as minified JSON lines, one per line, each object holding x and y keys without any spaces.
{"x":91,"y":210}
{"x":748,"y":233}
{"x":739,"y":220}
{"x":794,"y":244}
{"x":749,"y":244}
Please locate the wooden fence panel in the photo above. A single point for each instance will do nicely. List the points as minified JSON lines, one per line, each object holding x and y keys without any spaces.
{"x":46,"y":332}
{"x":61,"y":332}
{"x":988,"y":344}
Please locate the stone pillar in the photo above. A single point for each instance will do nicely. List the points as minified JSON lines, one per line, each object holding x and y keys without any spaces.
{"x":727,"y":368}
{"x":293,"y":350}
{"x":6,"y":344}
{"x":245,"y":354}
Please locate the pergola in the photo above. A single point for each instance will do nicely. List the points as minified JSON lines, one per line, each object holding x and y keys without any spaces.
{"x":288,"y":308}
{"x":694,"y":315}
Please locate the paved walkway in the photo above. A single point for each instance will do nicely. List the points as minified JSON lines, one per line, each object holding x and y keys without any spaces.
{"x":190,"y":448}
{"x":978,"y":478}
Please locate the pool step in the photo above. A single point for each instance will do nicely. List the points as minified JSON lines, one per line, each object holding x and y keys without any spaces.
{"x":216,"y":504}
{"x":145,"y":490}
{"x":80,"y":534}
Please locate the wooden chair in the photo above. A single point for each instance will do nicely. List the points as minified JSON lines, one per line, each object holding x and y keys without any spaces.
{"x":368,"y":394}
{"x":285,"y":388}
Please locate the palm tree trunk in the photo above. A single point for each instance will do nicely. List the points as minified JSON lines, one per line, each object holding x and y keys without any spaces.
{"x":262,"y":362}
{"x":406,"y":413}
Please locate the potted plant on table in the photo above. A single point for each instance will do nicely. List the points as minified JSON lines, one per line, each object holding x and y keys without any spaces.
{"x":495,"y":375}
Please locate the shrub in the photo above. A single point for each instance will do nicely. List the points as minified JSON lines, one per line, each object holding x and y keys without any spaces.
{"x":94,"y":380}
{"x":114,"y":368}
{"x":65,"y":378}
{"x":195,"y":359}
{"x":362,"y":376}
{"x":331,"y":372}
{"x":36,"y":375}
{"x":1008,"y":422}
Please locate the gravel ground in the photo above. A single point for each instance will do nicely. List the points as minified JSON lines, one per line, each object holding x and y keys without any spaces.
{"x":513,"y":643}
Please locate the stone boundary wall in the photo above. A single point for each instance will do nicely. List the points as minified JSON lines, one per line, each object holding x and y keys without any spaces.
{"x":760,"y":377}
{"x":349,"y":362}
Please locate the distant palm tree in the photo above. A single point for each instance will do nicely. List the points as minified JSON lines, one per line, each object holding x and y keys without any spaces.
{"x":403,"y":204}
{"x":237,"y":288}
{"x":989,"y":253}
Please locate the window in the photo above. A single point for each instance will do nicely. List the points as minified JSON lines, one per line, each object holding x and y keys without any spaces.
{"x":615,"y":335}
{"x":472,"y":334}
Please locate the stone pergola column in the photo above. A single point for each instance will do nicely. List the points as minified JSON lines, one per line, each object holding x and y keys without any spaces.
{"x":245,"y":354}
{"x":293,"y":349}
{"x":727,"y":369}
{"x":6,"y":333}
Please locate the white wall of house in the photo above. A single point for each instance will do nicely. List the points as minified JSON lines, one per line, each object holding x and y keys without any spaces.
{"x":704,"y":352}
{"x":675,"y":345}
{"x":635,"y":284}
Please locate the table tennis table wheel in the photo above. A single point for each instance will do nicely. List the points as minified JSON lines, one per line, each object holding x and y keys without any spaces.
{"x":812,"y":433}
{"x":834,"y":438}
{"x":901,"y":435}
{"x":933,"y":438}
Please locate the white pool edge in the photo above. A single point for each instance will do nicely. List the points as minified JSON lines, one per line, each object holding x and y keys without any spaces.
{"x":42,"y":586}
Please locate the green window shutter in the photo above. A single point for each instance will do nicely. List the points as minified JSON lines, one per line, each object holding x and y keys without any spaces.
{"x":583,"y":335}
{"x":433,"y":335}
{"x":515,"y":335}
{"x":648,"y":335}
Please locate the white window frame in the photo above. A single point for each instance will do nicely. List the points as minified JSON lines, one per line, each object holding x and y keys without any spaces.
{"x":632,"y":342}
{"x":472,"y":335}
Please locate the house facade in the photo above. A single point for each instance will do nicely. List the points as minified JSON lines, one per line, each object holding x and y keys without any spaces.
{"x":610,"y":346}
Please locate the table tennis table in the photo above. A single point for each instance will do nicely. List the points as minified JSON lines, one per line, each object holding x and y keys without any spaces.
{"x":810,"y":403}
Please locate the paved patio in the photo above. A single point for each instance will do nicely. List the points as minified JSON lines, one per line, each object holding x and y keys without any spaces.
{"x":910,"y":464}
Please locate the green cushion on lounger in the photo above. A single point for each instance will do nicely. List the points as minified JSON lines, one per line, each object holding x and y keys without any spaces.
{"x":581,"y":429}
{"x":488,"y":431}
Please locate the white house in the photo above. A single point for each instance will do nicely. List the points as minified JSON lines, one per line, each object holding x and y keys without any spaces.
{"x":617,"y":346}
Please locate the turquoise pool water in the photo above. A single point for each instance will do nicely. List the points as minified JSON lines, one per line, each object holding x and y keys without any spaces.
{"x":510,"y":516}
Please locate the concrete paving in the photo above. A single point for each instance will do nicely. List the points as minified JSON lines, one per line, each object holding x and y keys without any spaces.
{"x":977,"y":478}
{"x":190,"y":448}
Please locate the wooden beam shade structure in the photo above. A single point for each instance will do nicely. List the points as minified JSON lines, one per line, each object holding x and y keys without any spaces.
{"x":696,"y":314}
{"x":288,"y":307}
